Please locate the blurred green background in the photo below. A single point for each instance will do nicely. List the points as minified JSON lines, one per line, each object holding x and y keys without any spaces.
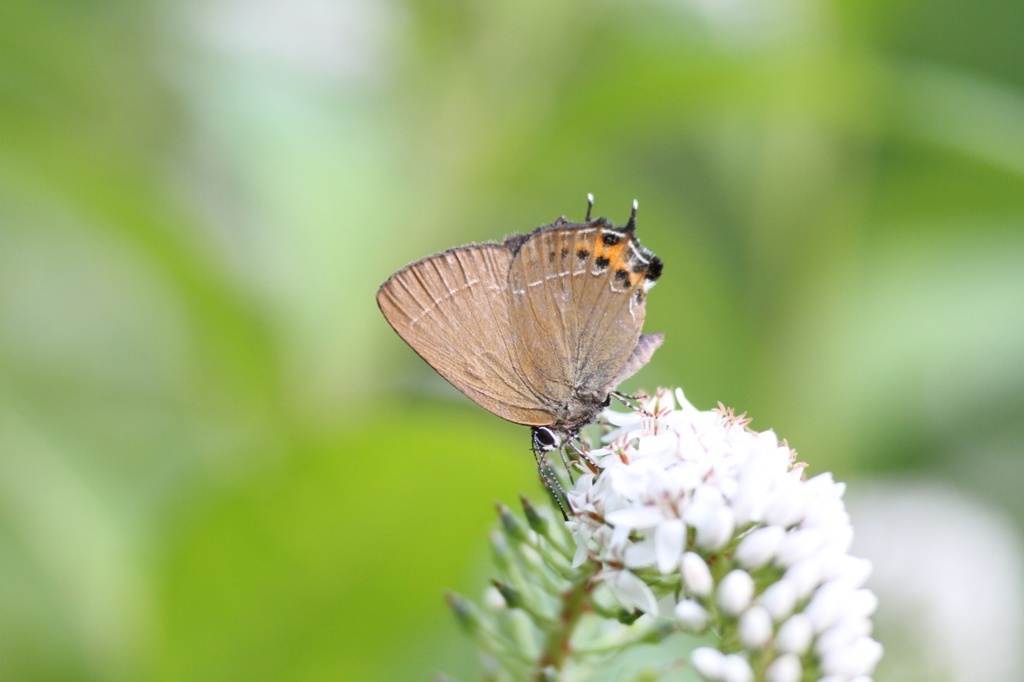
{"x":217,"y":461}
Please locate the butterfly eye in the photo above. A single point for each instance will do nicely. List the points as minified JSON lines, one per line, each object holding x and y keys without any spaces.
{"x":545,"y":440}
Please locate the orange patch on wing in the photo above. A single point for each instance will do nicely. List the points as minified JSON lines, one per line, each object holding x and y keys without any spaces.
{"x":616,"y":254}
{"x":618,"y":258}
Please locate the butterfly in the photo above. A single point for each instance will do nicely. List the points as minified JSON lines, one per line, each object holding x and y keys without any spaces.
{"x":538,"y":329}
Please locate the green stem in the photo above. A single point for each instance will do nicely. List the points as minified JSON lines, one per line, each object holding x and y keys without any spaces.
{"x":575,"y":602}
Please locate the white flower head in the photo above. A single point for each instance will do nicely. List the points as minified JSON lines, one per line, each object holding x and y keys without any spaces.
{"x":691,"y":515}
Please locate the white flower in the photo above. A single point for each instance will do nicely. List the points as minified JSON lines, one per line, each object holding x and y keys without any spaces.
{"x":709,"y":662}
{"x":785,"y":668}
{"x":794,"y":636}
{"x":631,"y":592}
{"x":758,"y":548}
{"x":778,"y":599}
{"x":736,"y":669}
{"x":696,"y":575}
{"x":691,"y":615}
{"x":735,"y":592}
{"x":669,"y":538}
{"x":693,"y":508}
{"x":755,"y":627}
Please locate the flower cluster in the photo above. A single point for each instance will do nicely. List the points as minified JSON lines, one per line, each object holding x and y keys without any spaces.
{"x":690,"y":532}
{"x":690,"y":515}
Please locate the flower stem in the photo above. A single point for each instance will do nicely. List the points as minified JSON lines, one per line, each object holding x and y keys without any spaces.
{"x":575,"y":602}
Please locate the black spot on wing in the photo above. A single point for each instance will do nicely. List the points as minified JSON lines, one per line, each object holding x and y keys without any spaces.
{"x":654,"y":269}
{"x":611,"y":238}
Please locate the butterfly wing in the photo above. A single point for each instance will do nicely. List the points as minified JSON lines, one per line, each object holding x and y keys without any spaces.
{"x":453,"y":310}
{"x":577,"y":300}
{"x":543,"y":309}
{"x":645,"y":347}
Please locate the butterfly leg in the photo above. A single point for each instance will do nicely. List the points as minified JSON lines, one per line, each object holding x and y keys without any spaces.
{"x":632,"y":402}
{"x":581,"y":455}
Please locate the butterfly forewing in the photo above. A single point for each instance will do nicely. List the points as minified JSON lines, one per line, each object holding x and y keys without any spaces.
{"x":452,"y":309}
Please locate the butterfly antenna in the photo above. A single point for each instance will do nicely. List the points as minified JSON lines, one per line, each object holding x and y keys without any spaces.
{"x":590,"y":206}
{"x":631,"y":225}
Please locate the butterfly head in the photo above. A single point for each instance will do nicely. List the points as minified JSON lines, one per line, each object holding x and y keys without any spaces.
{"x":546,"y":439}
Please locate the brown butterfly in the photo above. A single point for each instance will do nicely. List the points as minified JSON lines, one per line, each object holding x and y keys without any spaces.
{"x":538,"y":329}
